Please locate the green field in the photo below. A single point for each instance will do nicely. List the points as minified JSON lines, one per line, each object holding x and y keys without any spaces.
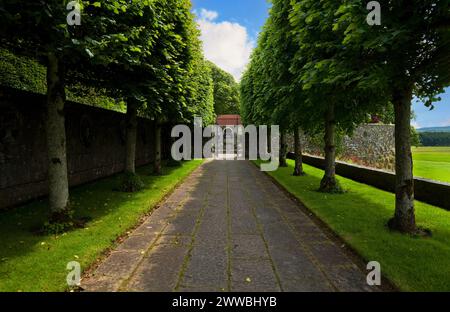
{"x":29,"y":262}
{"x":359,"y":217}
{"x":432,"y":163}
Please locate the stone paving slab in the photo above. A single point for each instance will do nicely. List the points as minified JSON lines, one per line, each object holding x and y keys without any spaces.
{"x":228,"y":227}
{"x":253,"y":276}
{"x":113,"y":271}
{"x":159,"y":271}
{"x":248,"y":247}
{"x":207,"y":267}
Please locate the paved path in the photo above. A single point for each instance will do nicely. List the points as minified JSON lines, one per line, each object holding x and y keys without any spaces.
{"x":228,"y":228}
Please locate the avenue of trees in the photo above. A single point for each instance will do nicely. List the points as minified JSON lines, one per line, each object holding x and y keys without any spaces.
{"x":320,"y":67}
{"x":145,"y":54}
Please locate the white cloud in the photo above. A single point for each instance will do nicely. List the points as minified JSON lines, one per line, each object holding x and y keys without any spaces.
{"x":226,"y":44}
{"x":208,"y":15}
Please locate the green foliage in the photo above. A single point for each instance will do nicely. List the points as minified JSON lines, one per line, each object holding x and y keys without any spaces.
{"x":31,"y":30}
{"x":57,"y":228}
{"x":60,"y":222}
{"x":386,"y":114}
{"x":411,"y":48}
{"x":300,"y":68}
{"x":312,"y":54}
{"x":226,"y":91}
{"x":200,"y":93}
{"x":130,"y":183}
{"x":146,"y":57}
{"x":435,"y":138}
{"x":328,"y":71}
{"x":144,"y":50}
{"x":25,"y":74}
{"x":21,"y":73}
{"x":415,"y":138}
{"x":196,"y":84}
{"x":256,"y":92}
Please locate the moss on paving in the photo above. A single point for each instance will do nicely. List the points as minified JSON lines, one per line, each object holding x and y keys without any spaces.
{"x":360,"y":215}
{"x":29,"y":262}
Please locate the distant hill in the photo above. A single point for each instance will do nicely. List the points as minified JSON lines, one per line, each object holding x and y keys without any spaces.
{"x":434,"y":129}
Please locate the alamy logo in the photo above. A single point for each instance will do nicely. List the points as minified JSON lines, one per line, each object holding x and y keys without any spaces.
{"x":74,"y":16}
{"x":374,"y":276}
{"x":74,"y":277}
{"x":374,"y":17}
{"x":230,"y":142}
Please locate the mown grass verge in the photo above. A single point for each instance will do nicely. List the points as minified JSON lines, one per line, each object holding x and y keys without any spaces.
{"x":359,"y":217}
{"x":29,"y":262}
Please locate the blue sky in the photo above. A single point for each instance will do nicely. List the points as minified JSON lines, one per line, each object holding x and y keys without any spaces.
{"x":229,"y":32}
{"x":249,"y":13}
{"x":438,"y":117}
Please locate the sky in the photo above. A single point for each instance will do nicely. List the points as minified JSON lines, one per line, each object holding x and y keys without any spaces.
{"x":438,"y":117}
{"x":230,"y":30}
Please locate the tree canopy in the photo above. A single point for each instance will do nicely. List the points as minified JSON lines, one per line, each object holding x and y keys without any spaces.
{"x":226,"y":91}
{"x":321,"y":66}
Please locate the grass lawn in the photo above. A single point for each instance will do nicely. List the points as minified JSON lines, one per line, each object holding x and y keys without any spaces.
{"x":432,"y":163}
{"x":359,"y":217}
{"x":38,"y":263}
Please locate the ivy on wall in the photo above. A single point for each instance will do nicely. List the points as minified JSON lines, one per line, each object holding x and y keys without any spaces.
{"x":25,"y":74}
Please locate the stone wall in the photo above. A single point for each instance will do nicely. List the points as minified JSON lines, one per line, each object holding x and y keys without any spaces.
{"x":95,"y":145}
{"x":428,"y":191}
{"x":371,"y":145}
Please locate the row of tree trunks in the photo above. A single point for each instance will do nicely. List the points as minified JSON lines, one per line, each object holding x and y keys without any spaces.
{"x":329,"y":183}
{"x":131,"y":142}
{"x":56,"y":141}
{"x":157,"y":168}
{"x":58,"y":182}
{"x":298,"y":168}
{"x":130,"y":158}
{"x":283,"y":149}
{"x":404,"y":219}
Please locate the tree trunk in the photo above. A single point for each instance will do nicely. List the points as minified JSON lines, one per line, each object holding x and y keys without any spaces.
{"x":130,"y":159}
{"x":404,"y":219}
{"x":157,"y":169}
{"x":283,"y":149}
{"x":56,"y":140}
{"x":298,"y":170}
{"x":329,"y":183}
